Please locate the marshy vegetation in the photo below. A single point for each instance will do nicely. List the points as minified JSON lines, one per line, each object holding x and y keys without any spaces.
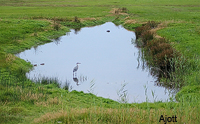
{"x":165,"y":62}
{"x":158,"y":51}
{"x":24,"y":24}
{"x":55,"y":105}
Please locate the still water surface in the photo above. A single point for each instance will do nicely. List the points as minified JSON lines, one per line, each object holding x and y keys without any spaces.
{"x":108,"y":60}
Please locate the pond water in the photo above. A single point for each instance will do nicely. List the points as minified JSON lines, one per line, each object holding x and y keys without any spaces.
{"x":109,"y":64}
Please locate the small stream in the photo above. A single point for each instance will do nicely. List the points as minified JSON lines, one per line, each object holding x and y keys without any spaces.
{"x":109,"y":64}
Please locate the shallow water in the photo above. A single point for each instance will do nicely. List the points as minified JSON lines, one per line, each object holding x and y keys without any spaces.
{"x":108,"y":60}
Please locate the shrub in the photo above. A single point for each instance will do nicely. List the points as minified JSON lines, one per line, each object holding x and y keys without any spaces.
{"x":145,"y":27}
{"x":157,"y":45}
{"x":56,"y":26}
{"x":162,"y":59}
{"x":124,"y":9}
{"x":140,"y":30}
{"x":146,"y":36}
{"x":152,"y":24}
{"x":161,"y":52}
{"x":76,"y":19}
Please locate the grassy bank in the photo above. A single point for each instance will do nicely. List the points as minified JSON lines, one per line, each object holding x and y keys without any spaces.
{"x":25,"y":24}
{"x":27,"y":102}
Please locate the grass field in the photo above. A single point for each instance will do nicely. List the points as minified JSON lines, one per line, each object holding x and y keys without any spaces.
{"x":29,"y":23}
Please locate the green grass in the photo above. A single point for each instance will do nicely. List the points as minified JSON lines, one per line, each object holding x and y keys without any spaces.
{"x":27,"y":102}
{"x":184,"y":37}
{"x":29,"y":23}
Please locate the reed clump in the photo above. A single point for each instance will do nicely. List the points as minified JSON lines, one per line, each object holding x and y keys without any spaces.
{"x":160,"y":53}
{"x":121,"y":10}
{"x":76,"y":19}
{"x":56,"y":25}
{"x":152,"y":24}
{"x":140,"y":30}
{"x":145,"y":28}
{"x":47,"y":80}
{"x":146,"y":37}
{"x":124,"y":9}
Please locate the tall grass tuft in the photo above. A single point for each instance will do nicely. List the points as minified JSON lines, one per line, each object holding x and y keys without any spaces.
{"x":47,"y":80}
{"x":56,"y":25}
{"x":76,"y":19}
{"x":152,"y":24}
{"x":121,"y":10}
{"x":145,"y":27}
{"x":122,"y":94}
{"x":146,"y":36}
{"x":162,"y":53}
{"x":124,"y":9}
{"x":67,"y":85}
{"x":140,"y":30}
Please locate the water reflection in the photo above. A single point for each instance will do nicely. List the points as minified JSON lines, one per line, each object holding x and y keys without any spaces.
{"x":76,"y":80}
{"x":108,"y":60}
{"x":57,"y":40}
{"x":80,"y":79}
{"x":77,"y":30}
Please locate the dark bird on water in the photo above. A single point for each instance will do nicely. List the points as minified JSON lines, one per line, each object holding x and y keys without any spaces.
{"x":42,"y":64}
{"x":108,"y":30}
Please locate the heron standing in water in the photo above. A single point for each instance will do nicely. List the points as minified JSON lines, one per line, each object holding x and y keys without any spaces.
{"x":75,"y":69}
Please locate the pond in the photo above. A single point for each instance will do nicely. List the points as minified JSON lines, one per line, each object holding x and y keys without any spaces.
{"x":109,"y":64}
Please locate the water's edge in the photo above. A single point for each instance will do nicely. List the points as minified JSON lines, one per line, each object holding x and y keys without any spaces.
{"x":92,"y":46}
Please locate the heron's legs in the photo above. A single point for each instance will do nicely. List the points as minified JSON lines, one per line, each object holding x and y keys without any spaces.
{"x":75,"y":75}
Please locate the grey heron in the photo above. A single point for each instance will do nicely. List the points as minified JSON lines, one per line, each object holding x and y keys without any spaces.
{"x":75,"y":68}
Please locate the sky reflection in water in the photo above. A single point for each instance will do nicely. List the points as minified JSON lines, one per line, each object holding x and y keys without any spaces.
{"x":108,"y":60}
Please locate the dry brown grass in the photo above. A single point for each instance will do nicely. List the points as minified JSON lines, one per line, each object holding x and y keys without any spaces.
{"x":117,"y":11}
{"x":55,"y":115}
{"x":32,"y":96}
{"x":115,"y":115}
{"x":28,"y":95}
{"x":130,"y":21}
{"x":49,"y":102}
{"x":38,"y":98}
{"x":10,"y":58}
{"x":160,"y":26}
